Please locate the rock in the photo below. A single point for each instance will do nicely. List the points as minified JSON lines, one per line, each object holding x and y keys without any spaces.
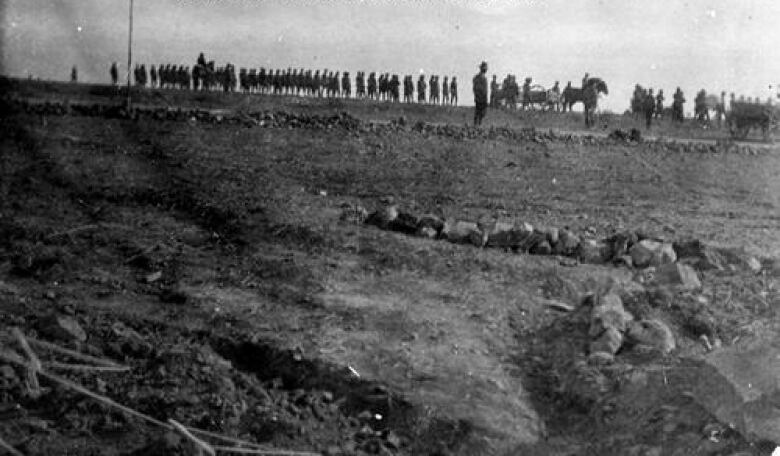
{"x":740,"y":385}
{"x":641,"y":256}
{"x":753,"y":264}
{"x":553,"y":235}
{"x":383,"y":216}
{"x":504,"y":235}
{"x":567,"y":243}
{"x":653,"y":333}
{"x":427,"y":232}
{"x":621,"y":242}
{"x":541,"y":248}
{"x":608,"y":341}
{"x":62,"y":327}
{"x":608,"y":312}
{"x":460,"y":232}
{"x":403,"y":223}
{"x":600,"y":358}
{"x":130,"y":341}
{"x":430,"y":221}
{"x":153,"y":277}
{"x":593,"y":252}
{"x":699,"y":255}
{"x":652,"y":253}
{"x":677,"y":275}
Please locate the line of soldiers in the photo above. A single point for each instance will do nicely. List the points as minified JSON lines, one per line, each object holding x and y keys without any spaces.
{"x":318,"y":83}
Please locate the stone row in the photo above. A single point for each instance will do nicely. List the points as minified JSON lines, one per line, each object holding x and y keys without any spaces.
{"x":344,"y":121}
{"x":631,"y":249}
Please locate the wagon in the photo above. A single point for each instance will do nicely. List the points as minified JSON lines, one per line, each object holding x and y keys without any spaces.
{"x":744,"y":116}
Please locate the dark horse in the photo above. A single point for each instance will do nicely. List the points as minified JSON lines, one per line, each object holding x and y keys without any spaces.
{"x":588,"y":95}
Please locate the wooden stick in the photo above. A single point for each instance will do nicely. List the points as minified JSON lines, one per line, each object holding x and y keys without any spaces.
{"x":33,"y":366}
{"x":225,"y":438}
{"x":85,"y":367}
{"x":72,"y":353}
{"x":7,"y":447}
{"x":268,"y":452}
{"x":71,"y":231}
{"x":202,"y":447}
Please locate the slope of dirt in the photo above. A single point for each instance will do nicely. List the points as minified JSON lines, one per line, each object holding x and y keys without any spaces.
{"x":258,"y":313}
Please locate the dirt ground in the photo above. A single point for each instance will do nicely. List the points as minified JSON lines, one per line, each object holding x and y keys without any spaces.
{"x":212,"y":259}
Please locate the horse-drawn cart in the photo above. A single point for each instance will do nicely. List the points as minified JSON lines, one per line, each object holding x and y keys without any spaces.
{"x":744,"y":116}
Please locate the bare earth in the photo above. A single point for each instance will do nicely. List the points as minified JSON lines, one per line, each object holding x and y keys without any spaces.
{"x":274,"y":321}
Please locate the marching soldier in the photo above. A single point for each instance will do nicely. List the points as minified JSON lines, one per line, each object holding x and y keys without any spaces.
{"x":659,"y":104}
{"x":493,"y":92}
{"x":480,"y":88}
{"x":114,"y":74}
{"x":421,"y":86}
{"x":677,"y":105}
{"x":649,"y":107}
{"x":445,"y":91}
{"x":454,"y":91}
{"x":74,"y":74}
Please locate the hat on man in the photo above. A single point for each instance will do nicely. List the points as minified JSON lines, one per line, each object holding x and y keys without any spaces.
{"x":483,"y":65}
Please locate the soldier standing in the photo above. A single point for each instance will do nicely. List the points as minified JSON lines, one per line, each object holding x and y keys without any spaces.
{"x":114,"y":74}
{"x":649,"y":107}
{"x":493,"y":92}
{"x":74,"y":74}
{"x":421,"y":86}
{"x":677,"y":105}
{"x":434,"y":85}
{"x":480,"y":88}
{"x":445,"y":91}
{"x":659,"y":104}
{"x":454,"y":91}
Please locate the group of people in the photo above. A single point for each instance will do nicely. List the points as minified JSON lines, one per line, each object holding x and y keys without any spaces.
{"x":205,"y":76}
{"x":651,"y":105}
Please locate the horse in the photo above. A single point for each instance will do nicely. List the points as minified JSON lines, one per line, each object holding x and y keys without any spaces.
{"x":590,"y":97}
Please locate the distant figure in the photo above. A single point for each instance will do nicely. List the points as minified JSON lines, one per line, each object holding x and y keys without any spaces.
{"x":74,"y":74}
{"x":114,"y":74}
{"x":494,"y":92}
{"x":421,"y":86}
{"x":454,"y":91}
{"x":659,"y":103}
{"x":445,"y":91}
{"x":677,"y":105}
{"x":585,"y":80}
{"x":480,"y":88}
{"x":153,"y":76}
{"x":649,"y":107}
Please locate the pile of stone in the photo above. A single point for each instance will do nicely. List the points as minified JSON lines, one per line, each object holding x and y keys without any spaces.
{"x":631,"y":249}
{"x":613,"y":328}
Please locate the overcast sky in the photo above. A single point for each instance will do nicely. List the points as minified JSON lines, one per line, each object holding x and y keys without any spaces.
{"x":717,"y":45}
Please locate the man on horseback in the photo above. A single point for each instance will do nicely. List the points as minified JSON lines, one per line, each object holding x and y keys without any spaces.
{"x":480,"y":88}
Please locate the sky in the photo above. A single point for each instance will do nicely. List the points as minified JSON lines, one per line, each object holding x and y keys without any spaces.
{"x":715,"y":45}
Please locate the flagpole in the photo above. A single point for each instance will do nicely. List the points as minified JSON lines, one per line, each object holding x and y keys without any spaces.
{"x":129,"y":55}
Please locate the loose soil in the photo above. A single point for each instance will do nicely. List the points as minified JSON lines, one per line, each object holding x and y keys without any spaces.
{"x":274,"y":321}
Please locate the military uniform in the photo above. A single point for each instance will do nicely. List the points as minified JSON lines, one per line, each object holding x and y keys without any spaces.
{"x":480,"y":89}
{"x":454,"y":91}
